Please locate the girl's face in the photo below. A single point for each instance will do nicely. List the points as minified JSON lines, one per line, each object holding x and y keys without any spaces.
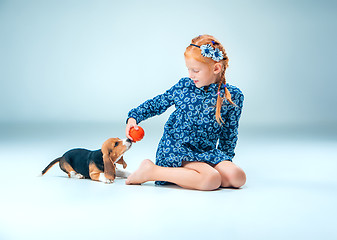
{"x":201,"y":74}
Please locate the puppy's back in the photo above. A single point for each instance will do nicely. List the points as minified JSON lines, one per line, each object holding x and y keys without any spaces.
{"x":79,"y":159}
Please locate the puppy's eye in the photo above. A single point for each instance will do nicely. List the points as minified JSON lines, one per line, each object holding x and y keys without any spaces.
{"x":116,"y":144}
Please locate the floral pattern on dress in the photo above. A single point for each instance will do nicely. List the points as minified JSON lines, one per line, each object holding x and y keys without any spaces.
{"x":192,"y":132}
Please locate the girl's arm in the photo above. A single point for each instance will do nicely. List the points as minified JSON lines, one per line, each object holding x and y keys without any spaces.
{"x":228,"y":137}
{"x":156,"y":105}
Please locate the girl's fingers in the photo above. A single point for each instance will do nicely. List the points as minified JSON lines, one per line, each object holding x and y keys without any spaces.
{"x":127,"y":130}
{"x":127,"y":133}
{"x":131,"y":123}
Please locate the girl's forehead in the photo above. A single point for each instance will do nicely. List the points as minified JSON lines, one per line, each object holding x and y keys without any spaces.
{"x":191,"y":62}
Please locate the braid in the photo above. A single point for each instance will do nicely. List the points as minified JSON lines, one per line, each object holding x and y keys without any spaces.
{"x":228,"y":95}
{"x":219,"y":102}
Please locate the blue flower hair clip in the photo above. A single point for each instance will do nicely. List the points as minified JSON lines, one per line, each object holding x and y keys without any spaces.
{"x":208,"y":51}
{"x":217,"y":55}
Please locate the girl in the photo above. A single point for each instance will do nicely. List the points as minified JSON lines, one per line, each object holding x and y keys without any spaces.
{"x":199,"y":138}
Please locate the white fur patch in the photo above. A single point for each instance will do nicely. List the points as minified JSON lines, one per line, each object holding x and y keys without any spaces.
{"x":76,"y":175}
{"x":102,"y":178}
{"x":126,"y":143}
{"x":79,"y":176}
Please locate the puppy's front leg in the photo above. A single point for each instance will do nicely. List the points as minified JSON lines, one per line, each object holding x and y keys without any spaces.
{"x":97,"y":175}
{"x":121,"y":161}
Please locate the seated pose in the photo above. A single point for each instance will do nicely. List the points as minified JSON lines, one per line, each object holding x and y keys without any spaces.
{"x":197,"y":146}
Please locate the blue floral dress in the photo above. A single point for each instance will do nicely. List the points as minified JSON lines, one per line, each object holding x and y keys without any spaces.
{"x":192,"y":132}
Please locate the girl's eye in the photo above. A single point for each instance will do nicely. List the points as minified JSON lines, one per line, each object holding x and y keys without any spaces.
{"x":193,"y":70}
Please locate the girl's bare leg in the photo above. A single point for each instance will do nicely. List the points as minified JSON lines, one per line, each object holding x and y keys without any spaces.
{"x":193,"y":175}
{"x":231,"y":175}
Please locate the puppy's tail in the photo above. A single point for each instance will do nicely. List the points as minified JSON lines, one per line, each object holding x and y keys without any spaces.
{"x":50,"y":165}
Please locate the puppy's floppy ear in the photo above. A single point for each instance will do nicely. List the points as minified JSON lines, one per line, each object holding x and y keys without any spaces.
{"x":109,"y":167}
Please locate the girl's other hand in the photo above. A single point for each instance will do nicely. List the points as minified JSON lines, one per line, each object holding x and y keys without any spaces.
{"x":131,"y":123}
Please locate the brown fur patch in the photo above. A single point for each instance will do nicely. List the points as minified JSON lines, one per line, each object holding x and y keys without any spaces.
{"x":94,"y":172}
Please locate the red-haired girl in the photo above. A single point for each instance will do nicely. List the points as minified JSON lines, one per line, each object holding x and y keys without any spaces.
{"x":199,"y":138}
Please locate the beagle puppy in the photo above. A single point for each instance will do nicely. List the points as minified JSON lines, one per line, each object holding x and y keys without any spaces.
{"x":99,"y":165}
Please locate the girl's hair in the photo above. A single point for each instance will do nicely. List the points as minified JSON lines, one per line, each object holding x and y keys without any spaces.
{"x":195,"y":52}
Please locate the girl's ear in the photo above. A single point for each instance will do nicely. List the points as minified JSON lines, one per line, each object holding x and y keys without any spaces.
{"x":217,"y":68}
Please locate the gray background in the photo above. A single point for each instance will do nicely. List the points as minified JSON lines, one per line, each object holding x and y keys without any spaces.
{"x":88,"y":61}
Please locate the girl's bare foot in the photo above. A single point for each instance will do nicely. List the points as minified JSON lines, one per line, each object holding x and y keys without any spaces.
{"x":142,"y":174}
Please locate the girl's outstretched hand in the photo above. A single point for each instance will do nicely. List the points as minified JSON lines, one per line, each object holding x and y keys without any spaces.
{"x":131,"y":123}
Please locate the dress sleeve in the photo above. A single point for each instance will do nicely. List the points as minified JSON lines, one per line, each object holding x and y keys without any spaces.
{"x":156,"y":105}
{"x":228,"y":137}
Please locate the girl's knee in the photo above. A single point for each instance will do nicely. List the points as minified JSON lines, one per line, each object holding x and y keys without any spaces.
{"x":236,"y":177}
{"x":210,"y":181}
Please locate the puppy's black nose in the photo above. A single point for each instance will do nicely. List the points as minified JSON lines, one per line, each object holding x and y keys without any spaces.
{"x":128,"y":140}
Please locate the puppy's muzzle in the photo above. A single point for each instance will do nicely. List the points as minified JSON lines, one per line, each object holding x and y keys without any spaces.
{"x":128,"y":143}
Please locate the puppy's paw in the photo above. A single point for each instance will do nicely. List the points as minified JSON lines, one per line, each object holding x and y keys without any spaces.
{"x":108,"y":181}
{"x":102,"y":178}
{"x":72,"y":174}
{"x":79,"y":176}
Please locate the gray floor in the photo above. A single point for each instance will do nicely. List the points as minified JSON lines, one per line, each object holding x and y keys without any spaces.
{"x":290,"y":193}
